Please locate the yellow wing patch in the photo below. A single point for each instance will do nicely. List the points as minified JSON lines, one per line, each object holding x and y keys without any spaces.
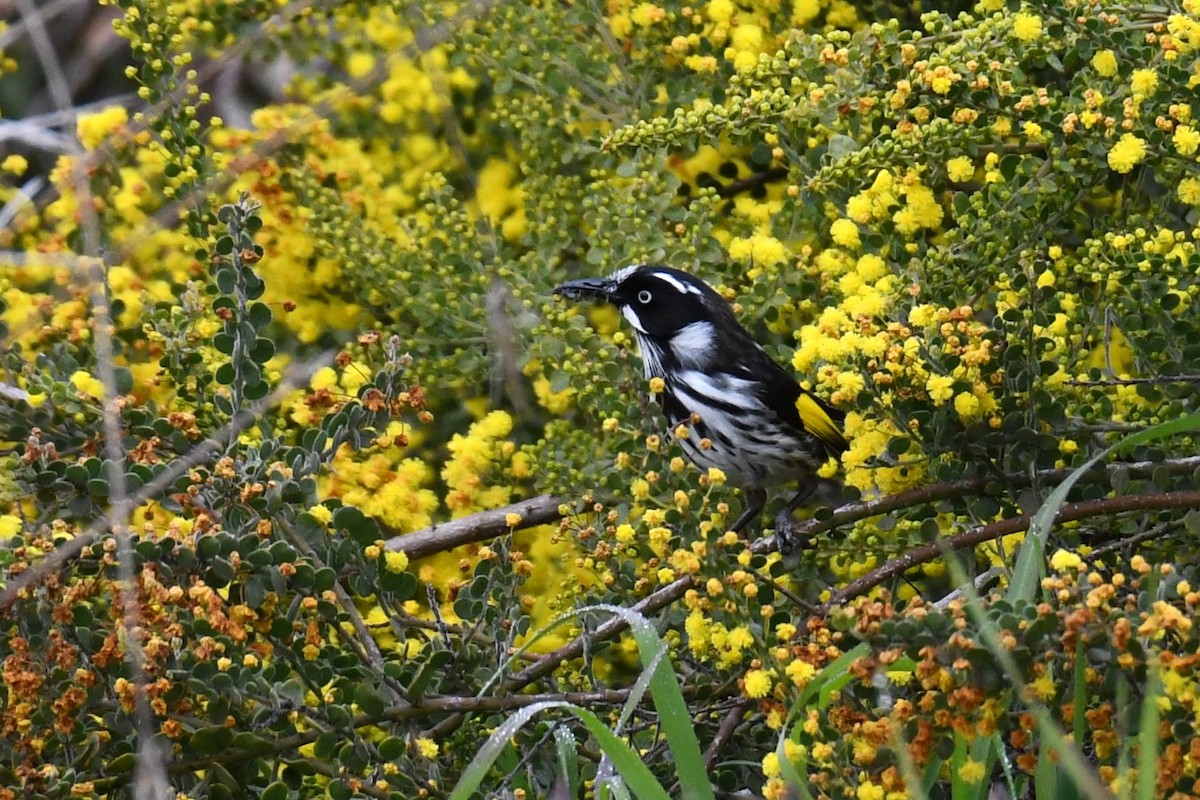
{"x":817,"y":421}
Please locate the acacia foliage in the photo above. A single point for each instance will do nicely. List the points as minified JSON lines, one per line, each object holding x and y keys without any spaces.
{"x":974,"y":233}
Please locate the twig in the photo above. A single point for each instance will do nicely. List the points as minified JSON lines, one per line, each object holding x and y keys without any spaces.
{"x":366,"y":642}
{"x":1072,"y":511}
{"x":1160,"y":380}
{"x":950,"y":490}
{"x":476,"y":527}
{"x":549,"y":662}
{"x":725,"y":732}
{"x":1129,"y":541}
{"x":15,"y":31}
{"x":39,"y":37}
{"x":606,"y":630}
{"x":980,"y":581}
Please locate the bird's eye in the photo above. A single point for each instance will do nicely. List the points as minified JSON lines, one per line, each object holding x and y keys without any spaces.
{"x":644,"y":296}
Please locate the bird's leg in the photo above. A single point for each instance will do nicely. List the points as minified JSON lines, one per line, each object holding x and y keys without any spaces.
{"x":805,"y":491}
{"x":755,"y":500}
{"x":784,"y":533}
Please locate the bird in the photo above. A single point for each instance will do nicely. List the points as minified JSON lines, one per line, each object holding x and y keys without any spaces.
{"x":743,"y":413}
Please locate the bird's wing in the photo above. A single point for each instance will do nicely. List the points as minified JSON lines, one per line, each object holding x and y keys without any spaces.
{"x":796,"y":407}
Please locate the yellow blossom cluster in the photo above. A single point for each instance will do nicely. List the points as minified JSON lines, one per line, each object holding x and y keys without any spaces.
{"x":481,"y":452}
{"x":740,"y":32}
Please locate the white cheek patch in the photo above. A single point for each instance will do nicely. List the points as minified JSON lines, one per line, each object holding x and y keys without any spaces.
{"x":693,"y":344}
{"x":631,"y":315}
{"x":680,"y":286}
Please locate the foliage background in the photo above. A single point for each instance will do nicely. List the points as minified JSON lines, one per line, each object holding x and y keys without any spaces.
{"x":973,"y":229}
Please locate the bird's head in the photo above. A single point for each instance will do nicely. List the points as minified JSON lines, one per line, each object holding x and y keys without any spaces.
{"x":679,"y":319}
{"x":661,"y":303}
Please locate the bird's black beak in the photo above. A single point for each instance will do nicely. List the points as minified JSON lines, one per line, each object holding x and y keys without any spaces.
{"x":586,"y":288}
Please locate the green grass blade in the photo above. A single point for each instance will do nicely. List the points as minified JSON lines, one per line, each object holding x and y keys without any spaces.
{"x":568,"y":760}
{"x":1147,"y":759}
{"x":832,"y":677}
{"x":1030,"y":567}
{"x":628,"y":764}
{"x":1079,"y":723}
{"x":979,"y":750}
{"x":673,"y":715}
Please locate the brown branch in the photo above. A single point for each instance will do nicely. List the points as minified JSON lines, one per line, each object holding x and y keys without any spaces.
{"x":853,"y":512}
{"x":994,"y":530}
{"x":725,"y":732}
{"x":1161,"y":380}
{"x":492,"y":523}
{"x":478,"y":527}
{"x":574,"y":649}
{"x":544,"y":509}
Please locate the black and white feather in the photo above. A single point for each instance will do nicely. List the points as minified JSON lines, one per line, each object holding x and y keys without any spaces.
{"x":746,"y":415}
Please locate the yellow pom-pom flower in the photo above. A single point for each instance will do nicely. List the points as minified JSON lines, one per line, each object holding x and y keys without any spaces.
{"x":1027,"y":27}
{"x":1105,"y":63}
{"x":1128,"y":152}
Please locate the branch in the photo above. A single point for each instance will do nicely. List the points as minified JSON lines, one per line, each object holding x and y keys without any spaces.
{"x":544,"y":509}
{"x":994,"y":530}
{"x":477,"y":527}
{"x":725,"y":732}
{"x":1160,"y":380}
{"x":608,"y":629}
{"x":950,"y":490}
{"x":574,"y":649}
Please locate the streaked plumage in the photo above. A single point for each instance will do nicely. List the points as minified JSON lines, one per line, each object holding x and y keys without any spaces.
{"x":747,"y":415}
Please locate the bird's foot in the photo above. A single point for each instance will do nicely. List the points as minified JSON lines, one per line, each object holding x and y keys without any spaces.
{"x":788,"y":539}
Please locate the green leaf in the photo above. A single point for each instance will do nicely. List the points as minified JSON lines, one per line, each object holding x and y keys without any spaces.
{"x":225,"y":374}
{"x":391,"y":748}
{"x":122,"y":763}
{"x":369,"y":700}
{"x":252,"y":742}
{"x":263,"y":350}
{"x":278,"y":790}
{"x":214,"y":739}
{"x":325,"y":744}
{"x":434,"y":662}
{"x":260,"y":315}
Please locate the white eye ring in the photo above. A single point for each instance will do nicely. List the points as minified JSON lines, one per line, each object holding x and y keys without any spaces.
{"x":644,"y":296}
